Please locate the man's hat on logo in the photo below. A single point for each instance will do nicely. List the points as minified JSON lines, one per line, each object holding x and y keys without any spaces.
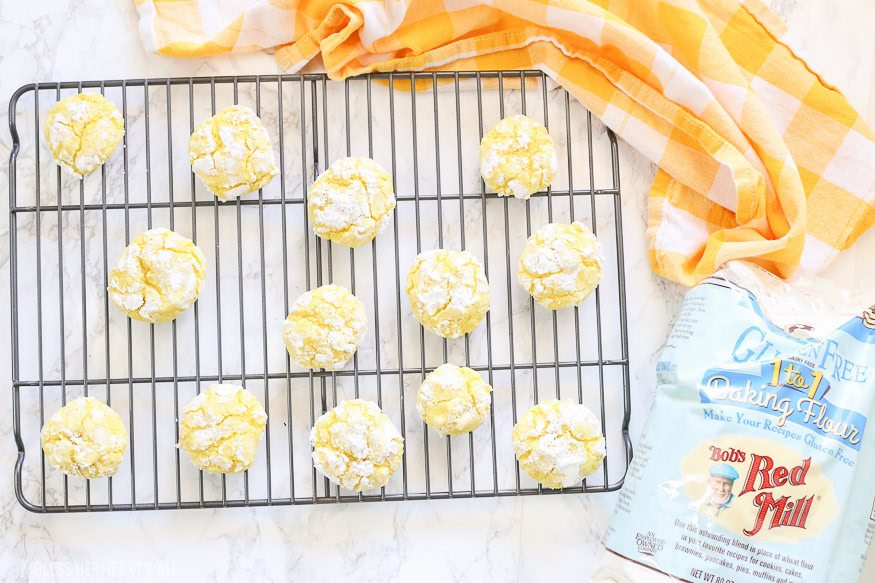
{"x":724,"y":471}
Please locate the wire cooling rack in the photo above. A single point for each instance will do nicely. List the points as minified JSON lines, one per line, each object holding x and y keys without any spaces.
{"x":261,"y":254}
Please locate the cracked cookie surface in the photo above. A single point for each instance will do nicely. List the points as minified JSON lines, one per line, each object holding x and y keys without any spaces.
{"x":356,"y":445}
{"x":453,"y":400}
{"x":325,"y":327}
{"x":221,"y":427}
{"x":232,"y":153}
{"x":517,"y":157}
{"x":157,"y":277}
{"x":558,"y":443}
{"x":84,"y":438}
{"x":448,"y":291}
{"x":82,"y":132}
{"x":351,"y":202}
{"x":561,"y":264}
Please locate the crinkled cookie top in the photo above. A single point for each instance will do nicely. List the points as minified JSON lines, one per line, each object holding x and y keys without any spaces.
{"x":356,"y":445}
{"x":351,"y":202}
{"x":453,"y":400}
{"x":83,"y":131}
{"x":221,"y":427}
{"x":448,"y":291}
{"x":232,"y":153}
{"x":561,"y":264}
{"x":84,"y":438}
{"x":517,"y":157}
{"x":558,"y":443}
{"x":158,"y":276}
{"x":325,"y":327}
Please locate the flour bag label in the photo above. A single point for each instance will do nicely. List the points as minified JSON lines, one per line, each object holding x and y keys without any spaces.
{"x":756,"y":463}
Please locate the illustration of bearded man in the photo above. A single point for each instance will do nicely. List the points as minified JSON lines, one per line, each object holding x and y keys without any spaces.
{"x":719,"y":494}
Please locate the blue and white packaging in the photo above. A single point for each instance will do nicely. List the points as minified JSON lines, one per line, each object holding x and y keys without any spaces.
{"x":757,"y":462}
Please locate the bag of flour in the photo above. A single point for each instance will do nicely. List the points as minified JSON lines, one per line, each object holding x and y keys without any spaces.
{"x":755,"y":463}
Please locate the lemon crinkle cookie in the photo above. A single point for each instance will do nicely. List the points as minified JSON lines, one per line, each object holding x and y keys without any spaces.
{"x":85,"y":439}
{"x":221,"y":427}
{"x":517,"y":157}
{"x":558,"y":443}
{"x":448,"y":291}
{"x":83,"y":131}
{"x":561,"y":264}
{"x":158,"y":276}
{"x":453,"y":400}
{"x":232,"y":153}
{"x":356,"y":445}
{"x":351,"y":202}
{"x":325,"y":327}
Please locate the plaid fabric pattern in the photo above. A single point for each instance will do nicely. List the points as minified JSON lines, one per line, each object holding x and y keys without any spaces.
{"x":759,"y":157}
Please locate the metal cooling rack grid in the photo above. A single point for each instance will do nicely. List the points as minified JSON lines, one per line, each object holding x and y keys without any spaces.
{"x":56,"y":222}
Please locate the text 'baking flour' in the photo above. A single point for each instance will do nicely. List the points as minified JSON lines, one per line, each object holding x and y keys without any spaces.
{"x":756,"y":463}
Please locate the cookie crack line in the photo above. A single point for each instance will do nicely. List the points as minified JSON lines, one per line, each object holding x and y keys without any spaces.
{"x":247,"y":164}
{"x":150,"y":274}
{"x":247,"y":415}
{"x":321,"y":203}
{"x":313,"y":318}
{"x":76,"y":152}
{"x":584,"y":260}
{"x":566,"y":432}
{"x":85,"y":126}
{"x":473,"y":397}
{"x":350,"y":226}
{"x":443,"y":307}
{"x":234,"y":137}
{"x":217,"y":443}
{"x":348,"y":459}
{"x":446,"y":306}
{"x":469,"y":392}
{"x":337,"y":449}
{"x":533,"y":275}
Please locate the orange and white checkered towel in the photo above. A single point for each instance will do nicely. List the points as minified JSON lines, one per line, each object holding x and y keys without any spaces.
{"x":758,"y":156}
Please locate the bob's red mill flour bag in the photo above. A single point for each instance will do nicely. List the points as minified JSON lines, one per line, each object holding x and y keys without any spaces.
{"x":756,"y":463}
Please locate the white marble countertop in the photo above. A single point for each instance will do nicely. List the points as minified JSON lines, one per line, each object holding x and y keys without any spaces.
{"x":483,"y":539}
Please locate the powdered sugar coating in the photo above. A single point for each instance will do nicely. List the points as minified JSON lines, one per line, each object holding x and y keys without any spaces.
{"x":85,"y":439}
{"x":517,"y":157}
{"x":356,"y":445}
{"x":158,"y":276}
{"x":561,"y":264}
{"x":558,"y":443}
{"x":448,"y":291}
{"x":232,"y":153}
{"x":221,"y":427}
{"x":453,"y":400}
{"x":351,"y":202}
{"x":325,"y":327}
{"x":83,"y":131}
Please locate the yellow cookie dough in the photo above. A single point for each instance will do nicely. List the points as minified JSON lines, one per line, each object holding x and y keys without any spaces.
{"x":517,"y":157}
{"x":351,"y":202}
{"x":356,"y":445}
{"x":232,"y":153}
{"x":85,"y":439}
{"x":220,"y":429}
{"x":157,"y":277}
{"x":453,"y":400}
{"x":561,"y":265}
{"x":325,"y":327}
{"x":448,"y":291}
{"x":558,"y":443}
{"x":82,"y":131}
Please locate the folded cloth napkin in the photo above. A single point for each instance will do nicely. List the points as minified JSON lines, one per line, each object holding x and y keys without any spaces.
{"x":758,"y":156}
